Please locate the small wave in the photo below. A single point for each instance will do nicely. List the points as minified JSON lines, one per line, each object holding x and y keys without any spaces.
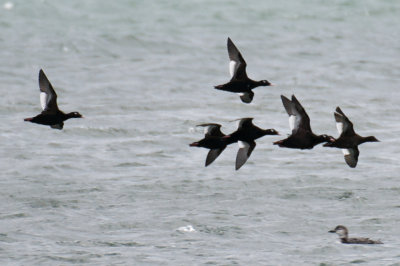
{"x":130,"y":164}
{"x":102,"y":131}
{"x":13,"y":216}
{"x":118,"y":244}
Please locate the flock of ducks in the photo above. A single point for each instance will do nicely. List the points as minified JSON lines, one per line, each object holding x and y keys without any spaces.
{"x":301,"y":137}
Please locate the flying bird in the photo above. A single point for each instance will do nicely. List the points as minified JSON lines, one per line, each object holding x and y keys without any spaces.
{"x":245,"y":135}
{"x":240,"y":82}
{"x":50,"y":115}
{"x":213,"y":140}
{"x":348,"y":140}
{"x":302,"y":136}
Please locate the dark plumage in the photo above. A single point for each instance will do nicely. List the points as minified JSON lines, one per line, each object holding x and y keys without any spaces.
{"x":348,"y":140}
{"x":212,"y":140}
{"x":239,"y":82}
{"x":344,"y":233}
{"x":245,"y":135}
{"x":51,"y":115}
{"x":302,"y":136}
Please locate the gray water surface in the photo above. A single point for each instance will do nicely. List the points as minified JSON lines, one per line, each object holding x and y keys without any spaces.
{"x":122,"y":186}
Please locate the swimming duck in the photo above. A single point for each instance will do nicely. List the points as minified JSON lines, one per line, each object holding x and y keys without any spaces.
{"x":50,"y":115}
{"x":343,"y":235}
{"x":239,"y":82}
{"x":348,"y":140}
{"x":302,"y":136}
{"x":212,"y":140}
{"x":245,"y":135}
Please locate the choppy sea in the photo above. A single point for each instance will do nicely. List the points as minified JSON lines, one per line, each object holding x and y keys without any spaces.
{"x":122,"y":186}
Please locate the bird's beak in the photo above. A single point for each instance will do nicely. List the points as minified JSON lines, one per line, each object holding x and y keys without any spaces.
{"x":332,"y":231}
{"x":226,"y":136}
{"x":272,"y":84}
{"x":194,"y":144}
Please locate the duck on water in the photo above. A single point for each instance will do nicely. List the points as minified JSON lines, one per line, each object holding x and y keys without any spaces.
{"x":344,"y":237}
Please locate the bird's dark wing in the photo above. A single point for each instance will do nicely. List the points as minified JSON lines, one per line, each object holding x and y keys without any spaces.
{"x":247,"y":97}
{"x":245,"y":122}
{"x":343,"y":124}
{"x":244,"y":152}
{"x":212,"y":129}
{"x":351,"y":156}
{"x":213,"y":154}
{"x":48,"y":97}
{"x":295,"y":116}
{"x":304,"y":119}
{"x":237,"y":65}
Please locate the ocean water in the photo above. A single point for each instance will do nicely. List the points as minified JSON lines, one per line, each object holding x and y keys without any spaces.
{"x":122,"y":186}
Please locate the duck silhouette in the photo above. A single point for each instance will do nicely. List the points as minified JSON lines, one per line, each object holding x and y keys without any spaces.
{"x":302,"y":136}
{"x":213,"y":140}
{"x":348,"y":140}
{"x":50,"y":115}
{"x":245,"y":135}
{"x":240,"y":82}
{"x":344,"y":237}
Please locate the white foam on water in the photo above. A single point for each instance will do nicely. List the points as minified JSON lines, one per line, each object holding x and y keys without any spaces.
{"x":187,"y":229}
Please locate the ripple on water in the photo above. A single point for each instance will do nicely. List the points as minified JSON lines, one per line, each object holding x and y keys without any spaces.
{"x":101,"y":131}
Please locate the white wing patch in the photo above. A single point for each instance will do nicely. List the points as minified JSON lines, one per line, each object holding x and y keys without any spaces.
{"x":233,"y":66}
{"x":292,"y":121}
{"x":238,"y":123}
{"x":346,"y":151}
{"x":43,"y":100}
{"x":243,"y":145}
{"x":350,"y":158}
{"x":207,"y":130}
{"x":340,"y":127}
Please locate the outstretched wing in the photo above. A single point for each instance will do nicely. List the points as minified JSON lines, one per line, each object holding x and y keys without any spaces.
{"x":247,"y":97}
{"x":298,"y":117}
{"x":213,"y":154}
{"x":304,"y":119}
{"x":343,"y":124}
{"x":212,"y":129}
{"x":244,"y":152}
{"x":237,"y":65}
{"x":351,"y":156}
{"x":245,"y":122}
{"x":48,"y":97}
